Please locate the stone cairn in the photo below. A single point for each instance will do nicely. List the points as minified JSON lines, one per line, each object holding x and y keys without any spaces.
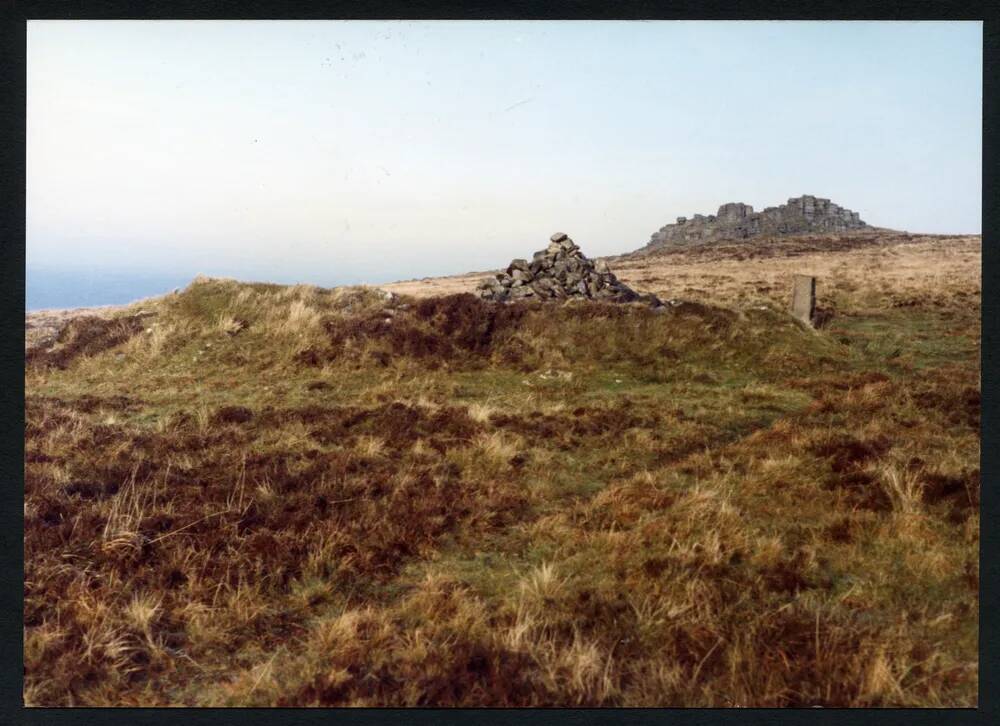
{"x":560,"y":272}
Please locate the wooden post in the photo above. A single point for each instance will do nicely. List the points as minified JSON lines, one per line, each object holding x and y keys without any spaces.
{"x":804,"y":298}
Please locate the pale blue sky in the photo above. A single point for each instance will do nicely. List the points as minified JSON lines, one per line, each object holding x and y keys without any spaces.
{"x":346,"y":151}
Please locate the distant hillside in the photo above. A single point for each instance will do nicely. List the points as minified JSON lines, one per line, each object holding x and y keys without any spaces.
{"x":735,"y":221}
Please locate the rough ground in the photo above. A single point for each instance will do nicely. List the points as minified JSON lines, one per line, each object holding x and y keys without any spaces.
{"x":42,"y":327}
{"x":738,"y":272}
{"x":268,"y":495}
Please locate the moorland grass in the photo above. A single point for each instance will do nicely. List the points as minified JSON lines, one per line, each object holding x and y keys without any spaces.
{"x":294,"y":496}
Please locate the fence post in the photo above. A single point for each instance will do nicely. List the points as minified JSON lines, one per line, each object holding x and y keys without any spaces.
{"x":804,"y":298}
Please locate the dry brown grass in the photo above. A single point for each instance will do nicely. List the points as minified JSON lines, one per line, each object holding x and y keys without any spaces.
{"x":590,"y":505}
{"x":876,"y":270}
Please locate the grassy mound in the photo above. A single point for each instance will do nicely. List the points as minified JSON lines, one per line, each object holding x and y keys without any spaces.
{"x":265,"y":495}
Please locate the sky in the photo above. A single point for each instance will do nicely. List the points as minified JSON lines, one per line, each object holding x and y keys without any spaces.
{"x":339,"y":152}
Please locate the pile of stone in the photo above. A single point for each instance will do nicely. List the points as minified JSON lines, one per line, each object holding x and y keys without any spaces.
{"x":560,"y":272}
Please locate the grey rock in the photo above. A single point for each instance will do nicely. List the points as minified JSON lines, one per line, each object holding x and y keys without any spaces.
{"x":519,"y":292}
{"x":541,"y":289}
{"x":558,"y":237}
{"x":736,"y":221}
{"x":561,"y":272}
{"x":804,"y":298}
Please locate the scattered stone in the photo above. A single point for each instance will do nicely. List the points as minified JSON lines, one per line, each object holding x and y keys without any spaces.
{"x":560,"y":272}
{"x":553,"y":374}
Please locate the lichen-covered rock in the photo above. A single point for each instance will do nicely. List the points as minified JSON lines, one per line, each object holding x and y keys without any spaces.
{"x":560,"y":272}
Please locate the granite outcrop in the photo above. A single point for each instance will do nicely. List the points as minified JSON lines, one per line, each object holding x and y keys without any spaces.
{"x":736,"y":221}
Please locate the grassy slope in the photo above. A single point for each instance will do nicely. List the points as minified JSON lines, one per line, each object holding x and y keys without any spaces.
{"x":577,"y":505}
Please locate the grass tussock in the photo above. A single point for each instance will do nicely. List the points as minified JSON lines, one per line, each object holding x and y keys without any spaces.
{"x":289,"y":496}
